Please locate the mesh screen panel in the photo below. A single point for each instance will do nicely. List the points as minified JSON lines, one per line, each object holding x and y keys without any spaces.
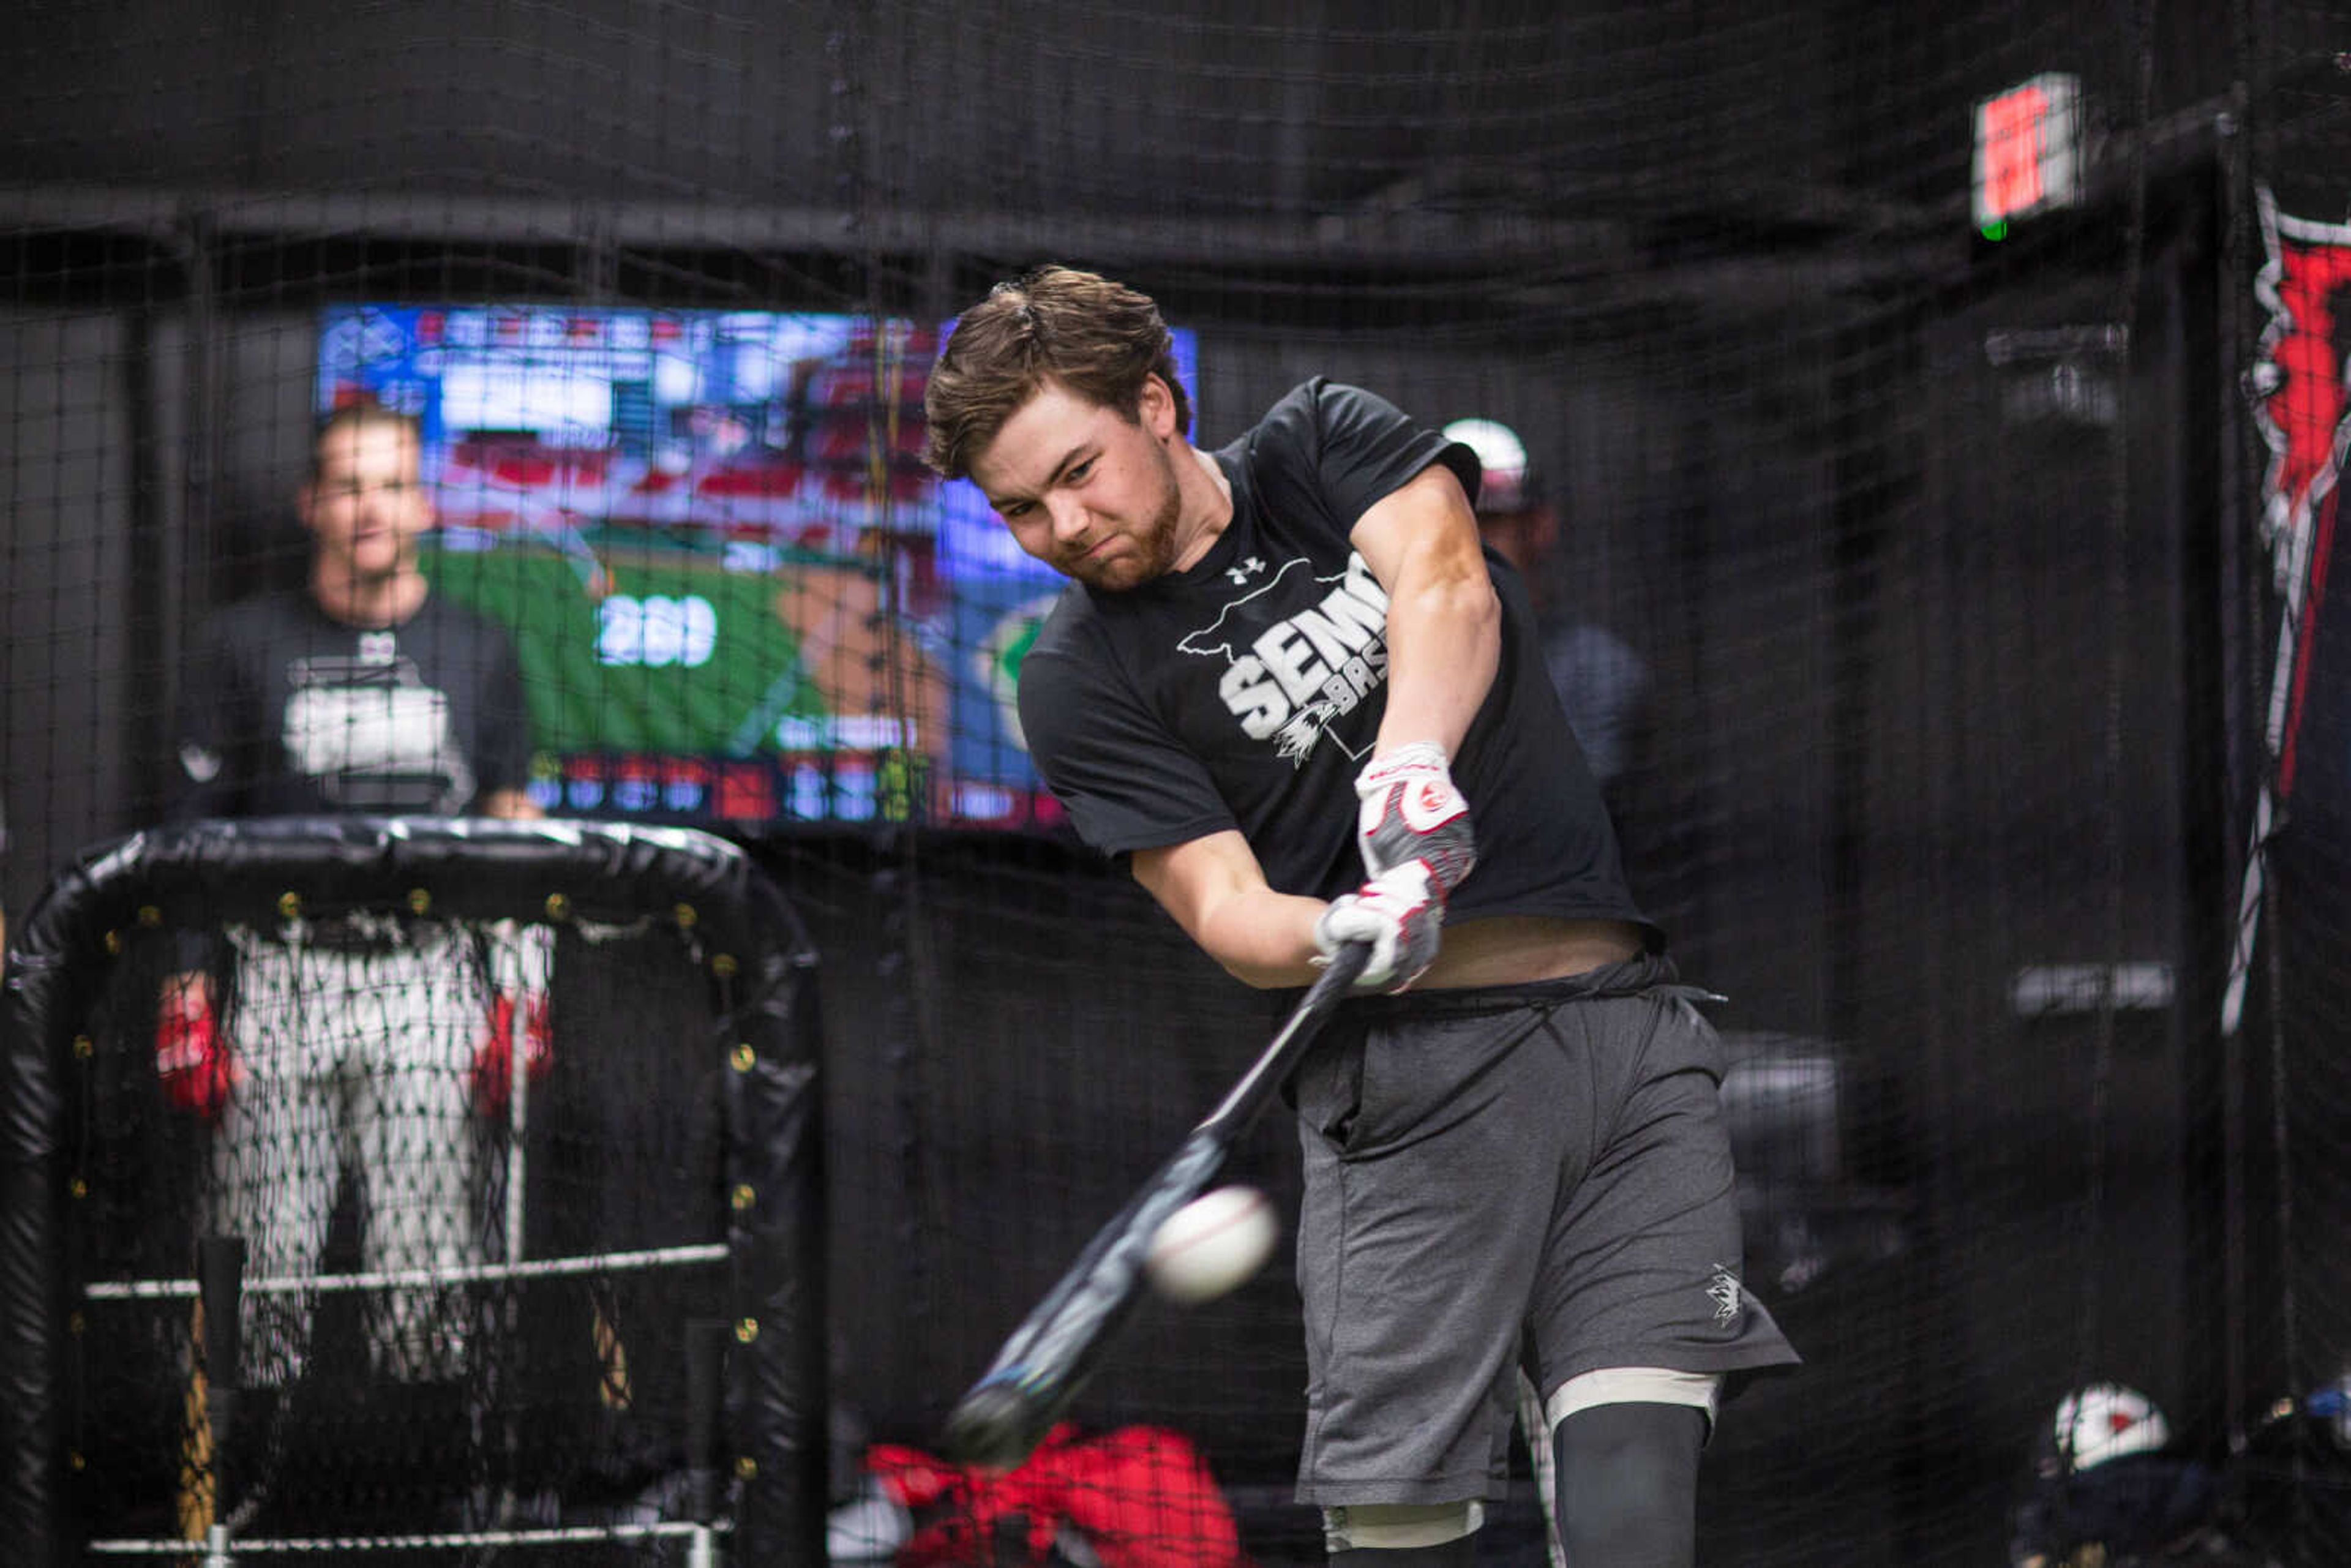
{"x":508,"y":1205}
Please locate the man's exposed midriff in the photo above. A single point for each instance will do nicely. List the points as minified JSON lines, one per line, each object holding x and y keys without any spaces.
{"x":1513,"y":950}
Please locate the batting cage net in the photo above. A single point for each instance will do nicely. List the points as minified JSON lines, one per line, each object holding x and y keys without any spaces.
{"x":1917,"y":432}
{"x":425,"y":1188}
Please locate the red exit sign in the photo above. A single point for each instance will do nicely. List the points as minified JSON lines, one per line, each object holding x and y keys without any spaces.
{"x":2028,"y":150}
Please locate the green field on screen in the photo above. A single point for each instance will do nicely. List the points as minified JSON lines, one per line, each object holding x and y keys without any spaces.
{"x":676,"y":655}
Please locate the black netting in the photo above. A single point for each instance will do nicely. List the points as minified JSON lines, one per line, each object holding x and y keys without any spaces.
{"x":510,"y":1197}
{"x":1942,"y":594}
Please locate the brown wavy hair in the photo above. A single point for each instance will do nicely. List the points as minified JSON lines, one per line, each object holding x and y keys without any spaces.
{"x":1098,"y":339}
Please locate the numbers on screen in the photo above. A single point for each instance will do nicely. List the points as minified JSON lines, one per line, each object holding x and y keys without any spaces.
{"x":656,"y":631}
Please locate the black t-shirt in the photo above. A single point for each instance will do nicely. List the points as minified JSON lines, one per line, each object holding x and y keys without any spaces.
{"x":286,"y":710}
{"x":1247,"y":690}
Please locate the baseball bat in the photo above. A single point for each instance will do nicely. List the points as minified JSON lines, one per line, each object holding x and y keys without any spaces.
{"x":1000,"y":1419}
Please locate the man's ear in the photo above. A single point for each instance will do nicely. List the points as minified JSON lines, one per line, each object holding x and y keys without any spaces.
{"x":1155,"y":406}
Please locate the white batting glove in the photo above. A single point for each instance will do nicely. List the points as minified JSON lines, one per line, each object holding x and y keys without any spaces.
{"x":1411,"y":811}
{"x":1400,"y":913}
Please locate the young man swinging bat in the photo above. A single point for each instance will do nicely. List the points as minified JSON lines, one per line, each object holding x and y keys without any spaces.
{"x":1288,"y":685}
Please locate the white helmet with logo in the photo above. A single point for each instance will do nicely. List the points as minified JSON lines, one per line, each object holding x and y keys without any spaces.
{"x":2102,"y":1421}
{"x":1509,"y":478}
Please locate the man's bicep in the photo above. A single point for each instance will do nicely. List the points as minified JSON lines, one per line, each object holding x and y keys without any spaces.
{"x":1427,"y":517}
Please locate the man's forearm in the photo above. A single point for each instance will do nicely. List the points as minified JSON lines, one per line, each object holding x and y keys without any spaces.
{"x":1444,"y":620}
{"x":1445,"y":644}
{"x":1265,"y":938}
{"x":1217,"y":892}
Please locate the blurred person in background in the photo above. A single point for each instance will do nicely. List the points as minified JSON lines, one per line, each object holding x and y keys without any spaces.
{"x":361,"y":691}
{"x":357,"y":1051}
{"x":1603,"y":684}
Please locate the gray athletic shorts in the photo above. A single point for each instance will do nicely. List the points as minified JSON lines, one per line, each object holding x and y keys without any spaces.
{"x":1526,"y":1175}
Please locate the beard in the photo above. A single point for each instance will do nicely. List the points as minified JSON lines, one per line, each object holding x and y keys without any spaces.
{"x":1149,"y":546}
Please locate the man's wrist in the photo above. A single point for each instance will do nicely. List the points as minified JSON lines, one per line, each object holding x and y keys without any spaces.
{"x":1405,"y":757}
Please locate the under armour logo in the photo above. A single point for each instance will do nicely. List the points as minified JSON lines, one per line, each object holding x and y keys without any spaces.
{"x":1247,"y":570}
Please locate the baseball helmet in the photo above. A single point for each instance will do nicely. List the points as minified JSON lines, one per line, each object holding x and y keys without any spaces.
{"x":1508,"y":483}
{"x":2103,"y":1421}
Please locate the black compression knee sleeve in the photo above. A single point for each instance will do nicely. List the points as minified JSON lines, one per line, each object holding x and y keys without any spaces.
{"x":1627,"y":1482}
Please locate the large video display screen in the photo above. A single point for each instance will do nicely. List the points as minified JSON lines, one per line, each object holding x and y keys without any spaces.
{"x":736,"y":594}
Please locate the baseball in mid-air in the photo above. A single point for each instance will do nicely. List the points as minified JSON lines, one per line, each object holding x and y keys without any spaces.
{"x":1212,"y":1245}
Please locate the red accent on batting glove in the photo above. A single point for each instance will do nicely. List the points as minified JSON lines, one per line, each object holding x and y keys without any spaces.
{"x":1411,"y":811}
{"x":1400,"y":913}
